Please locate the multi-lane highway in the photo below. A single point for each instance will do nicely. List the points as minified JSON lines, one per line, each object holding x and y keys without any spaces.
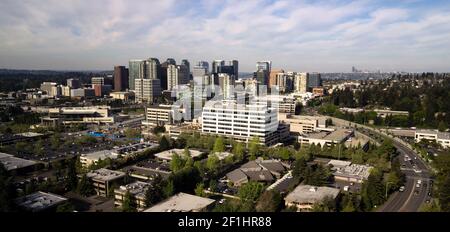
{"x":413,"y":167}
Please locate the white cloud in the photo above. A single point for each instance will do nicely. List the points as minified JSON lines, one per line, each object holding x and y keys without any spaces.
{"x":296,"y":35}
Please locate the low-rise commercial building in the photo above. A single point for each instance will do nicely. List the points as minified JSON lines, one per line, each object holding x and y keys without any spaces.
{"x":124,"y":96}
{"x":303,"y":124}
{"x":442,"y":138}
{"x":78,"y":115}
{"x":123,"y":151}
{"x":103,"y":179}
{"x":355,"y":173}
{"x":39,"y":202}
{"x":137,"y":191}
{"x":167,"y":155}
{"x":384,"y":113}
{"x":18,"y":165}
{"x":182,"y":202}
{"x":305,"y":196}
{"x":336,"y":137}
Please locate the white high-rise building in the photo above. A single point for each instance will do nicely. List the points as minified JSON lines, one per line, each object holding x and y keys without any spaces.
{"x":240,"y":122}
{"x":177,"y":75}
{"x":301,"y":82}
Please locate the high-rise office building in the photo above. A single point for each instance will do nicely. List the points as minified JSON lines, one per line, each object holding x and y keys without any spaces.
{"x":136,"y":71}
{"x":187,"y":64}
{"x":226,"y":83}
{"x":146,"y":79}
{"x":177,"y":75}
{"x":314,"y":80}
{"x":120,"y":78}
{"x":98,"y":81}
{"x":265,"y":65}
{"x":147,"y":90}
{"x":229,"y":67}
{"x":262,"y":76}
{"x":73,"y":83}
{"x":301,"y":81}
{"x":273,"y":77}
{"x":51,"y":88}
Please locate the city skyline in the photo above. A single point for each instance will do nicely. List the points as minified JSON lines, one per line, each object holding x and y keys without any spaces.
{"x":324,"y":36}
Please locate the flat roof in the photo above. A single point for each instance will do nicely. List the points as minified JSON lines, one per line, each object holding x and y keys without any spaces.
{"x":181,"y":202}
{"x":39,"y":201}
{"x":223,"y":155}
{"x":339,"y":163}
{"x":311,"y":194}
{"x":167,"y":155}
{"x":10,"y":162}
{"x":354,"y":171}
{"x":103,"y":154}
{"x":336,"y":135}
{"x":440,"y":135}
{"x":136,"y":189}
{"x":104,"y":174}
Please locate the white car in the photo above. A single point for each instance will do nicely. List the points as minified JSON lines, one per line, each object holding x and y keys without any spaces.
{"x":401,"y":189}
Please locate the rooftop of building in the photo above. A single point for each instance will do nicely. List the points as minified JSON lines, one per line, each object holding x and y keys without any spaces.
{"x":311,"y":194}
{"x":181,"y":202}
{"x":39,"y":201}
{"x":223,"y":155}
{"x":103,"y":154}
{"x":440,"y":135}
{"x":104,"y":174}
{"x":354,"y":170}
{"x":11,"y":163}
{"x":337,"y":135}
{"x":136,"y":189}
{"x":339,"y":163}
{"x":167,"y":155}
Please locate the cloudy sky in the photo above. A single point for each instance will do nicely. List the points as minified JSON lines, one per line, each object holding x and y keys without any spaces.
{"x":333,"y":35}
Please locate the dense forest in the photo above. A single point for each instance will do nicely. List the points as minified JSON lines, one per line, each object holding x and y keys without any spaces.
{"x":13,"y":80}
{"x":424,"y":96}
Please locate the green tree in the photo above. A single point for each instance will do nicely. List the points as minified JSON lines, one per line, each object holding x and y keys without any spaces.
{"x":154,"y":193}
{"x":373,"y":190}
{"x":213,"y":163}
{"x":55,"y":141}
{"x":169,"y":189}
{"x":177,"y":162}
{"x":7,"y":190}
{"x":328,"y":204}
{"x":219,"y":144}
{"x":250,"y":191}
{"x":444,"y":193}
{"x":254,"y":148}
{"x":239,"y":152}
{"x":442,"y":126}
{"x":200,"y":190}
{"x":65,"y":208}
{"x":72,"y":178}
{"x":39,"y":148}
{"x":164,"y":143}
{"x":269,"y":201}
{"x":85,"y":187}
{"x":128,"y":204}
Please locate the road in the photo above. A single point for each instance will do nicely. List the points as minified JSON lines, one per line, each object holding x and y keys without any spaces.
{"x":411,"y":199}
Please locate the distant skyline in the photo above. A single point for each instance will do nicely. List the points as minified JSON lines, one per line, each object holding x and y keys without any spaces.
{"x":322,"y":36}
